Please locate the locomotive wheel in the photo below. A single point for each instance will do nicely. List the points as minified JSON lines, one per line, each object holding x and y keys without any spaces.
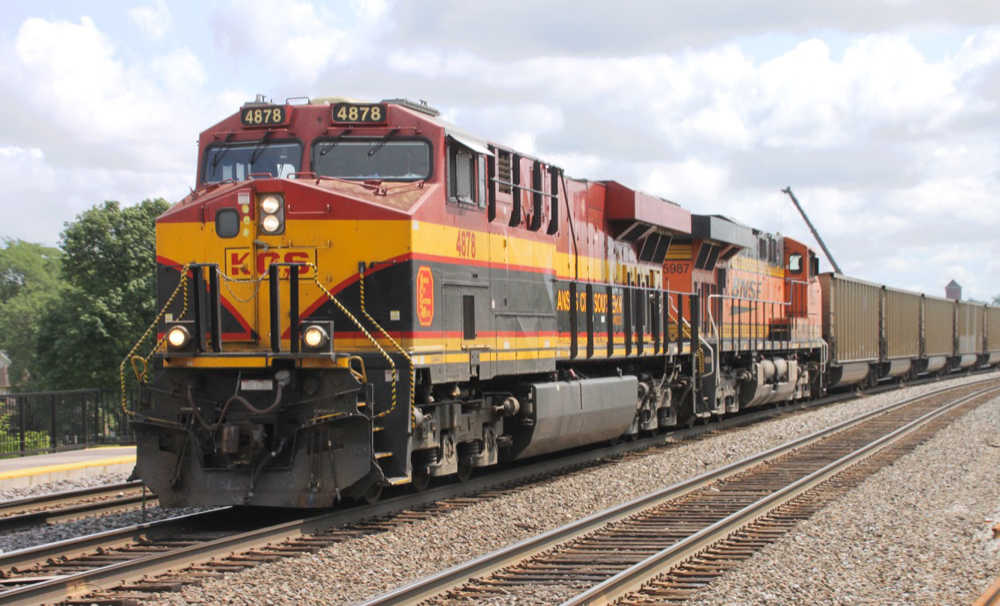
{"x":372,"y":495}
{"x":464,"y":471}
{"x":420,"y":480}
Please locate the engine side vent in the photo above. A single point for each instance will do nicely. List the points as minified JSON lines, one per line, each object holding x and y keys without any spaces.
{"x":503,"y":171}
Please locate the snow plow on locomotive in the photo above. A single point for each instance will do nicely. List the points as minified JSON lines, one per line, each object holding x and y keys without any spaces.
{"x":360,"y":295}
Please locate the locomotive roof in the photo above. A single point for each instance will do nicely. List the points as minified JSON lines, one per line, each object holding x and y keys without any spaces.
{"x":722,"y":229}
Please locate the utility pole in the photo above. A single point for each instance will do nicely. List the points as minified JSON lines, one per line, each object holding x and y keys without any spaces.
{"x":836,"y":268}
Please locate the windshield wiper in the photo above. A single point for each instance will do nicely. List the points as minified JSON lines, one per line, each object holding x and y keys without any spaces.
{"x":382,"y":142}
{"x":225,"y":150}
{"x":329,"y":146}
{"x":260,"y":147}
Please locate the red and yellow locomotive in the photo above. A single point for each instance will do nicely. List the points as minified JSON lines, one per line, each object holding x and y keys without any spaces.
{"x":359,"y":295}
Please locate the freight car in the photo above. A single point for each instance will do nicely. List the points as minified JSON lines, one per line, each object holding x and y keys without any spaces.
{"x":879,"y":333}
{"x":359,"y":295}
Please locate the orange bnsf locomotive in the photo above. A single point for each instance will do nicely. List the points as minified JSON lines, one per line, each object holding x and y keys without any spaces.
{"x":358,"y":295}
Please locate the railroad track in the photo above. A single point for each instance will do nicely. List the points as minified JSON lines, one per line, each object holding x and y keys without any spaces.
{"x":664,"y":547}
{"x":170,"y":554}
{"x":162,"y":556}
{"x":72,"y":505}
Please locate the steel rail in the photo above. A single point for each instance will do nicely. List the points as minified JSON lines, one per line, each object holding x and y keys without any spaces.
{"x":55,"y":498}
{"x":420,"y":590}
{"x":65,"y":506}
{"x":633,"y":578}
{"x":109,"y":539}
{"x":58,"y":588}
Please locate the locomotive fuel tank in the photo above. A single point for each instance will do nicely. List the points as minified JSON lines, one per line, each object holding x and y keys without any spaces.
{"x":566,"y":414}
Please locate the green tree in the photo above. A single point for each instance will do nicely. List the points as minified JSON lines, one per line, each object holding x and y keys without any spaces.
{"x":110,"y":269}
{"x":996,"y":300}
{"x":29,"y":282}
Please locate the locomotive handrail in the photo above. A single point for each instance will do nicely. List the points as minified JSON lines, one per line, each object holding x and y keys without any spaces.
{"x":523,"y":188}
{"x":409,"y":359}
{"x":182,"y":286}
{"x":680,"y":316}
{"x":735,"y":298}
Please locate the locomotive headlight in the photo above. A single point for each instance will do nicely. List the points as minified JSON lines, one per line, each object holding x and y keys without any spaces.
{"x":270,"y":204}
{"x":272,"y":214}
{"x":178,"y":337}
{"x":315,"y":337}
{"x":271,"y":224}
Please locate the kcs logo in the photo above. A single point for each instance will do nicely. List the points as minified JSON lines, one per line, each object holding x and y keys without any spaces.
{"x":425,"y":296}
{"x":238,"y":261}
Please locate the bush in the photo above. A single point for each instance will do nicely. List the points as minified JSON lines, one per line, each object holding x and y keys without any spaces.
{"x":10,"y":440}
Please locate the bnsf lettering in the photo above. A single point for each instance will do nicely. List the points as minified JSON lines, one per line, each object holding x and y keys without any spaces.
{"x":746,"y":289}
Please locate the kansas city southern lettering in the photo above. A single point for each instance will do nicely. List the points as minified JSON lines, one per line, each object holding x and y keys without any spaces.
{"x":600,"y":302}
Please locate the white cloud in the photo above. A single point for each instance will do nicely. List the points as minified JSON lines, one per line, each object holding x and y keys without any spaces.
{"x":298,"y":39}
{"x":84,"y":124}
{"x":70,"y":76}
{"x":688,"y":180}
{"x":154,"y":20}
{"x":179,"y":71}
{"x":892,"y":145}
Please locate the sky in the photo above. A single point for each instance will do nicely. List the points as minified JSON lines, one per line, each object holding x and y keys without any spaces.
{"x":882,"y":115}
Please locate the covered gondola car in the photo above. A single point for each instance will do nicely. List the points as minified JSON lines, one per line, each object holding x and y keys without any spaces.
{"x":851,"y":327}
{"x":900,"y":333}
{"x":939,"y":334}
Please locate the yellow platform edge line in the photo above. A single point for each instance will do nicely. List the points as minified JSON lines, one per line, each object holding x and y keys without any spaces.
{"x":35,"y":471}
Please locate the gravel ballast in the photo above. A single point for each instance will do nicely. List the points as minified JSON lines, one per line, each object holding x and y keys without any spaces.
{"x":9,"y":494}
{"x":358,"y":569}
{"x":917,"y":532}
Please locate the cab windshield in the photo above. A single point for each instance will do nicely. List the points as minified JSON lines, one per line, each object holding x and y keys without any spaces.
{"x":381,"y":159}
{"x":237,"y":161}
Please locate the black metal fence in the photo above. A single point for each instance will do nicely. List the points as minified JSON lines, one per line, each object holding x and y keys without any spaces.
{"x":32,"y":423}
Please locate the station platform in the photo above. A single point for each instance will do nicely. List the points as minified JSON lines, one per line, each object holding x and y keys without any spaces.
{"x":21,"y":472}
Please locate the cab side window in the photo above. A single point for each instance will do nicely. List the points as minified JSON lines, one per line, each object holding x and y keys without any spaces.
{"x":795,"y":263}
{"x":466,"y":177}
{"x":461,"y":175}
